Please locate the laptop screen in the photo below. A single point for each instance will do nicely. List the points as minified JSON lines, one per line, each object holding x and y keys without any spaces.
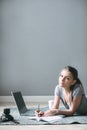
{"x":19,"y":102}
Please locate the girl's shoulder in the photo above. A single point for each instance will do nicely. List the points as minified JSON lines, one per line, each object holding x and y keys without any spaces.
{"x":58,"y":89}
{"x":78,"y":90}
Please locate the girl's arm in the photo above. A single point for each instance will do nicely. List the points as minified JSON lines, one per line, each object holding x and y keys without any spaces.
{"x":74,"y":106}
{"x":55,"y":111}
{"x":56,"y":102}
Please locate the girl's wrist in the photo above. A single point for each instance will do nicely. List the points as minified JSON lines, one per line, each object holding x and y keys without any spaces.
{"x":57,"y":111}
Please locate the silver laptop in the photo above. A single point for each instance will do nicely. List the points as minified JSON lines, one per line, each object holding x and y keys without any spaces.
{"x":21,"y":105}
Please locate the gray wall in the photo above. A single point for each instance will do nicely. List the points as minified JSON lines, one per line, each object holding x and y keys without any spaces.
{"x":37,"y":39}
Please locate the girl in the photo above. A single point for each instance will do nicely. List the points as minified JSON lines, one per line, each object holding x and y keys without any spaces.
{"x":71,"y":92}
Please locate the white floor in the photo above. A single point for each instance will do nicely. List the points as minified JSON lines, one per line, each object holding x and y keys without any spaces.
{"x":37,"y":127}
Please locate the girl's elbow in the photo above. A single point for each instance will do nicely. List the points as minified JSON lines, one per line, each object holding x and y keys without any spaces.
{"x":71,"y":112}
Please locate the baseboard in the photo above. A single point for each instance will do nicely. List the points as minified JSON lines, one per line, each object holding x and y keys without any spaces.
{"x":27,"y":98}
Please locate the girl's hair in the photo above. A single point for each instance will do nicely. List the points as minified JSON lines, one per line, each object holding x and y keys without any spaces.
{"x":74,"y":73}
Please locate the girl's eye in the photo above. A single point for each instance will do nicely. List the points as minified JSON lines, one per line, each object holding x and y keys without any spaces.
{"x":68,"y":78}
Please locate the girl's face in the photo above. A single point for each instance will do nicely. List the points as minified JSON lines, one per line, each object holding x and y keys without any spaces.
{"x":66,"y":79}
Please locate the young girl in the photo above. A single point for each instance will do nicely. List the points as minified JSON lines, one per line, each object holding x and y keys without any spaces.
{"x":71,"y":92}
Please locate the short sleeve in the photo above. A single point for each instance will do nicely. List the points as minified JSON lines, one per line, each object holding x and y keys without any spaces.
{"x":57,"y":91}
{"x":78,"y":91}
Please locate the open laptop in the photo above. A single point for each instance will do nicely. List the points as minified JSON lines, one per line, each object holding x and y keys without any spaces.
{"x":21,"y":105}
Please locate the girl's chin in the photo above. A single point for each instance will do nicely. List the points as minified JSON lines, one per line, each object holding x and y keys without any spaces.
{"x":62,"y":85}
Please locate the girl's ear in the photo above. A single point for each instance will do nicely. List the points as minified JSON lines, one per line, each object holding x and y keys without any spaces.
{"x":74,"y":82}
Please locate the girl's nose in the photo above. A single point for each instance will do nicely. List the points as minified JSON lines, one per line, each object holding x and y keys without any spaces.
{"x":63,"y":78}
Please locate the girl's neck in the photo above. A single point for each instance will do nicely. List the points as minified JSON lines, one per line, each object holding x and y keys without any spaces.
{"x":67,"y":90}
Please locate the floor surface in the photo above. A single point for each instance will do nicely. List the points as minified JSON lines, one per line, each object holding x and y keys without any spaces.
{"x":38,"y":127}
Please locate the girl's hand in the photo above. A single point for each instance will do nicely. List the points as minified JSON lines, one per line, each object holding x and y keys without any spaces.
{"x":51,"y":112}
{"x":39,"y":113}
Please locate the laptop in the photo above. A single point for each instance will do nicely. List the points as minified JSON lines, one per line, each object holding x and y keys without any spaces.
{"x":21,"y":105}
